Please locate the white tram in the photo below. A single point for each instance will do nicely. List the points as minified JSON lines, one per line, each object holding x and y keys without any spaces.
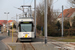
{"x":26,"y":29}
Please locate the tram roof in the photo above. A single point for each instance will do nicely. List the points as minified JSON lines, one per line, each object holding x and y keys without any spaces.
{"x":26,"y":18}
{"x":22,"y":19}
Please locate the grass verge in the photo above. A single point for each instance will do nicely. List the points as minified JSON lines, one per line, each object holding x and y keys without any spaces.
{"x":64,"y":39}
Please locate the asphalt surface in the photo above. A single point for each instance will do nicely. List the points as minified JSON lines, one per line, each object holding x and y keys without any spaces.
{"x":2,"y":45}
{"x":36,"y":44}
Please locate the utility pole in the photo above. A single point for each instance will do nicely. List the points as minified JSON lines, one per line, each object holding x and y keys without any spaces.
{"x":35,"y":15}
{"x":16,"y":17}
{"x":7,"y":19}
{"x":45,"y":21}
{"x":12,"y":31}
{"x":62,"y":21}
{"x":23,"y":10}
{"x":16,"y":22}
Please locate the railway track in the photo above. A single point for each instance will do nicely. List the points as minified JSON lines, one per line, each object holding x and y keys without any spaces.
{"x":58,"y":45}
{"x":27,"y":46}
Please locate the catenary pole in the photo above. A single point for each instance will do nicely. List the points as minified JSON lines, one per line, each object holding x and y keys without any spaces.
{"x":7,"y":19}
{"x":7,"y":22}
{"x":12,"y":31}
{"x":16,"y":21}
{"x":35,"y":15}
{"x":45,"y":21}
{"x":62,"y":20}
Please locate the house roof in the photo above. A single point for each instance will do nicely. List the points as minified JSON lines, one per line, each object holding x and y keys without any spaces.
{"x":10,"y":21}
{"x":3,"y":22}
{"x":67,"y":12}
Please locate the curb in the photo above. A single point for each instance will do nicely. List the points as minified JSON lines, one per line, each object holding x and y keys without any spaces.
{"x":7,"y":45}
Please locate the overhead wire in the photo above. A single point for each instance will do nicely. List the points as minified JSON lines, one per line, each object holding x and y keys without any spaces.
{"x":26,"y":2}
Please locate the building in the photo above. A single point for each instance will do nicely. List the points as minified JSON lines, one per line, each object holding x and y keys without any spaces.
{"x":0,"y":27}
{"x":10,"y":23}
{"x":68,"y":14}
{"x":3,"y":24}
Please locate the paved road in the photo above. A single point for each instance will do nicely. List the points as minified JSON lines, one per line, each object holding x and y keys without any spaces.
{"x":2,"y":45}
{"x":36,"y":44}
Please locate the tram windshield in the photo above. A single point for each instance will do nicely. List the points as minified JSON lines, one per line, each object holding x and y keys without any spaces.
{"x":26,"y":27}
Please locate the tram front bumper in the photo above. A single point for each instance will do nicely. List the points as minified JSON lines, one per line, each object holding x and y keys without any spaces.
{"x":25,"y":39}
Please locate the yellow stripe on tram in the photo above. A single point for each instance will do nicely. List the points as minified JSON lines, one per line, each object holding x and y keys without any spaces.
{"x":26,"y":35}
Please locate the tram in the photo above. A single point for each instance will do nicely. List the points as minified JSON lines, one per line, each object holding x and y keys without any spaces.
{"x":26,"y":29}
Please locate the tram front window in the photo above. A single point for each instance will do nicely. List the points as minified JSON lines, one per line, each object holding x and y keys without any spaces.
{"x":26,"y":27}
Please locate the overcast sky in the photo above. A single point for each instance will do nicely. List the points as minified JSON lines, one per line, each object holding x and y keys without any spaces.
{"x":58,"y":4}
{"x":9,"y":6}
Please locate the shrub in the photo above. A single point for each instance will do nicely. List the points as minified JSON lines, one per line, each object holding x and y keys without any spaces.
{"x":38,"y":27}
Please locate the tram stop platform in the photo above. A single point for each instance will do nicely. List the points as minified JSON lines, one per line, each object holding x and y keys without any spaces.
{"x":35,"y":45}
{"x":8,"y":40}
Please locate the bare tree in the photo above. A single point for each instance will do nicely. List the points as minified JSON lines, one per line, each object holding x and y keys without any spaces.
{"x":56,"y":13}
{"x":51,"y":20}
{"x":72,"y":2}
{"x":40,"y":12}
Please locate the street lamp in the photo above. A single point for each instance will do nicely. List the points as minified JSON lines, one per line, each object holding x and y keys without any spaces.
{"x":7,"y":19}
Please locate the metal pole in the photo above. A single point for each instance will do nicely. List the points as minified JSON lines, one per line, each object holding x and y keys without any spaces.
{"x":16,"y":17}
{"x":7,"y":22}
{"x":23,"y":11}
{"x":12,"y":31}
{"x":62,"y":21}
{"x":16,"y":21}
{"x":35,"y":15}
{"x":30,"y":12}
{"x":45,"y":21}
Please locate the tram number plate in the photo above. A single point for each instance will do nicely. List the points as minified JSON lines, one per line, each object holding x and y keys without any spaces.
{"x":26,"y":35}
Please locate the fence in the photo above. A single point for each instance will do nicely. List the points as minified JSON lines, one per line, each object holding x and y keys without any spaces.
{"x":69,"y":32}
